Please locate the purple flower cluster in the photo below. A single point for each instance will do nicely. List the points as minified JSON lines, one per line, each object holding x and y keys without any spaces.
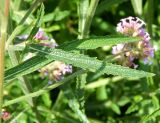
{"x":126,"y":54}
{"x":55,"y":70}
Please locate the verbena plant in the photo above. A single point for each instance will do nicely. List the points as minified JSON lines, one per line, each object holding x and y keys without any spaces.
{"x":89,"y":89}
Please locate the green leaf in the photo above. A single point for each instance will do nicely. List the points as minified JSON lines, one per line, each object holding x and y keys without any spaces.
{"x":26,"y":67}
{"x":137,"y":6}
{"x":14,"y":56}
{"x":46,"y":100}
{"x":132,"y":108}
{"x":17,"y":116}
{"x":38,"y":23}
{"x":57,"y":15}
{"x":92,"y":43}
{"x":17,"y":30}
{"x":95,"y":42}
{"x":155,"y":102}
{"x":115,"y":108}
{"x":48,"y":55}
{"x":34,"y":6}
{"x":107,"y":4}
{"x":150,"y":116}
{"x":86,"y":62}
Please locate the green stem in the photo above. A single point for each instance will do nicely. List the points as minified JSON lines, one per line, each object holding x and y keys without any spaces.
{"x":57,"y":105}
{"x":34,"y":5}
{"x":4,"y":24}
{"x":42,"y":91}
{"x":15,"y":119}
{"x":24,"y":83}
{"x":17,"y":4}
{"x":89,"y":17}
{"x":150,"y":16}
{"x":82,"y":11}
{"x":86,"y":13}
{"x":150,"y":83}
{"x":2,"y":45}
{"x":73,"y":103}
{"x":18,"y":29}
{"x":57,"y":114}
{"x":80,"y":89}
{"x":81,"y":80}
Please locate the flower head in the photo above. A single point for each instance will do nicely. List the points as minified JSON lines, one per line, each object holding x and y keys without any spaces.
{"x":40,"y":35}
{"x":55,"y":70}
{"x":130,"y":26}
{"x":127,"y":53}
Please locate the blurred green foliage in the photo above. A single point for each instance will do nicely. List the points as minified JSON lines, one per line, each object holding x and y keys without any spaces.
{"x":108,"y":99}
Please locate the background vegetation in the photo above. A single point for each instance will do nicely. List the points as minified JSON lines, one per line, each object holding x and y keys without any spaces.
{"x":86,"y":95}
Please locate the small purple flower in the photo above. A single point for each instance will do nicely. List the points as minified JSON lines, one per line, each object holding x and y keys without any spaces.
{"x":55,"y":70}
{"x":117,"y":49}
{"x":61,"y":69}
{"x":130,"y":26}
{"x":66,"y":69}
{"x":127,"y":53}
{"x":40,"y":35}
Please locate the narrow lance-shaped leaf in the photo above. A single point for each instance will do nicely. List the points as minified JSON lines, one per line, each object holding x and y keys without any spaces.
{"x":38,"y":22}
{"x":95,"y":42}
{"x":91,"y":43}
{"x":86,"y":62}
{"x":48,"y":55}
{"x":137,"y":6}
{"x":107,"y":4}
{"x":26,"y":67}
{"x":14,"y":56}
{"x":150,"y":116}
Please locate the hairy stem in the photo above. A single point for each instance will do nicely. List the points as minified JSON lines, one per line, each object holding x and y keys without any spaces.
{"x":86,"y":13}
